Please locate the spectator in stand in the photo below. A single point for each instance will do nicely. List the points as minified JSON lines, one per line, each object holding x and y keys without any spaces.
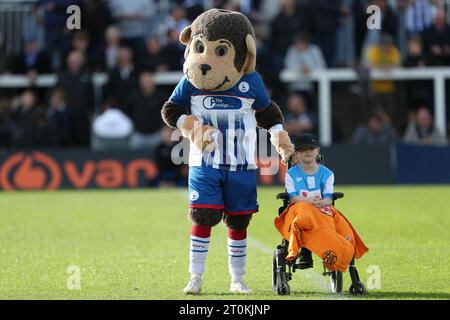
{"x":325,"y":27}
{"x":122,"y":80}
{"x":133,"y":18}
{"x":232,"y":6}
{"x":7,"y":126}
{"x":54,"y":20}
{"x":193,"y":8}
{"x":80,"y":42}
{"x":96,"y":18}
{"x":303,"y":56}
{"x":414,"y":56}
{"x":421,"y":130}
{"x":154,"y":58}
{"x":420,"y":91}
{"x":58,"y":119}
{"x":367,"y":37}
{"x":41,"y":134}
{"x":174,"y":51}
{"x":177,"y":19}
{"x":419,"y":16}
{"x":107,"y":59}
{"x":298,"y":119}
{"x":79,"y":93}
{"x":3,"y":54}
{"x":112,"y":128}
{"x":287,"y":23}
{"x":219,"y":4}
{"x":169,"y":174}
{"x":23,"y":108}
{"x":384,"y":55}
{"x":145,"y":105}
{"x":26,"y":116}
{"x":264,"y":63}
{"x":31,"y":61}
{"x":436,"y":41}
{"x":377,"y":132}
{"x":252,"y":9}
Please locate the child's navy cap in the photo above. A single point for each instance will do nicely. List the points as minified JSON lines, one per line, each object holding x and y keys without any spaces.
{"x":306,"y":140}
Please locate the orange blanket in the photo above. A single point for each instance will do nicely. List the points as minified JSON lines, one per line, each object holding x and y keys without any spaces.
{"x":325,"y":232}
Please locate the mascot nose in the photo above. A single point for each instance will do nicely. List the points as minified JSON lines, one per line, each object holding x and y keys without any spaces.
{"x":205,"y":68}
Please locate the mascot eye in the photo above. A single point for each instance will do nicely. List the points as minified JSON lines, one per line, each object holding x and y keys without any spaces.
{"x":221,"y":51}
{"x":200,"y":47}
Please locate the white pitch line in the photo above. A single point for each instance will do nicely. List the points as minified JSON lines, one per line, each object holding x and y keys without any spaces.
{"x":259,"y":245}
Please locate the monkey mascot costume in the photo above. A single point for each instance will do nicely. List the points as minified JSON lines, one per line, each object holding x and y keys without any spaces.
{"x":218,"y":104}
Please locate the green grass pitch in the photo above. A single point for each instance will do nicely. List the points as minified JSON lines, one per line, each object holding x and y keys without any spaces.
{"x":134,"y":245}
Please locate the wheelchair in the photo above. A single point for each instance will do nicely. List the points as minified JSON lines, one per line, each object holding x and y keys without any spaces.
{"x":283,"y":270}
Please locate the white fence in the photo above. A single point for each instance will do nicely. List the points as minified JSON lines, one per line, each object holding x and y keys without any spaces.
{"x":324,"y":79}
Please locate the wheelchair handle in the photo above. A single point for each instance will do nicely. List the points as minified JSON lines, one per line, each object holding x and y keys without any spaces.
{"x":290,"y":162}
{"x":338,"y":195}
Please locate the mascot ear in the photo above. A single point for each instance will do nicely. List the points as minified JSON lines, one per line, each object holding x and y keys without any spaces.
{"x":185,"y":35}
{"x":250,"y":62}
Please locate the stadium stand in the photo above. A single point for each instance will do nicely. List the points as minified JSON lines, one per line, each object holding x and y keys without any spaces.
{"x":343,"y":72}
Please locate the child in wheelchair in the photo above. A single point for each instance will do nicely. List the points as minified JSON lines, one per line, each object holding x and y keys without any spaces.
{"x":310,"y":182}
{"x":309,"y":222}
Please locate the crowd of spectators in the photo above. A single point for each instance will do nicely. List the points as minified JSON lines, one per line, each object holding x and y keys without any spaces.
{"x":130,"y":42}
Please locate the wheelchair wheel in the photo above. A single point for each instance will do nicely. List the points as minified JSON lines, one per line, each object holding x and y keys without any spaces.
{"x":279,"y":277}
{"x":336,"y":281}
{"x":274,"y":272}
{"x":357,"y":288}
{"x":283,"y":288}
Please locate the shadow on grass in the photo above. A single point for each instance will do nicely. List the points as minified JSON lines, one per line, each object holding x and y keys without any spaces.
{"x":408,"y":295}
{"x":269,"y":295}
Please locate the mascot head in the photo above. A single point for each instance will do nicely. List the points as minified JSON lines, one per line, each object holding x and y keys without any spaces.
{"x":220,"y":49}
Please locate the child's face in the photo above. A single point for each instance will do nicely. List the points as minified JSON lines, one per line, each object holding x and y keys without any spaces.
{"x":308,"y":155}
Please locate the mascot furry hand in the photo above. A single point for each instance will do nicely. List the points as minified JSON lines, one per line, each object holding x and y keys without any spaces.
{"x":217,"y":105}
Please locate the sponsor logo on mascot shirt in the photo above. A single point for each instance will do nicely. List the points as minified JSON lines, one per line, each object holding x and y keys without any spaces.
{"x":222,"y":103}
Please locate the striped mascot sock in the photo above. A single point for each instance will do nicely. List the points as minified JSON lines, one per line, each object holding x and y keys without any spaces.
{"x":237,"y":252}
{"x":200,"y":237}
